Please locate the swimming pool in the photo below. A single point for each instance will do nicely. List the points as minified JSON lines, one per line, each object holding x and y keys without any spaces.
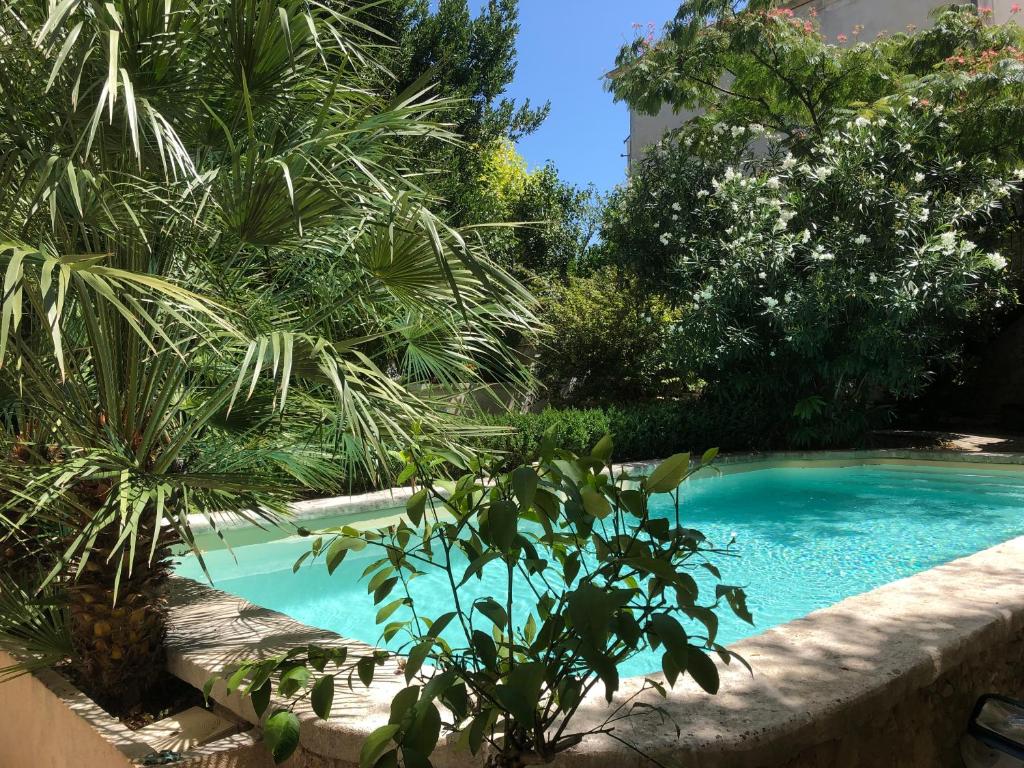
{"x":806,"y":538}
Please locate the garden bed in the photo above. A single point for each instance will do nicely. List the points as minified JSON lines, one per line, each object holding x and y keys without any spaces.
{"x":46,"y":721}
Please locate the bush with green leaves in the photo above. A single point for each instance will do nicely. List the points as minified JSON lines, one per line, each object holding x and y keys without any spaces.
{"x":550,"y":223}
{"x":820,"y":286}
{"x":608,"y":339}
{"x":580,"y":574}
{"x":645,"y":430}
{"x":835,"y":225}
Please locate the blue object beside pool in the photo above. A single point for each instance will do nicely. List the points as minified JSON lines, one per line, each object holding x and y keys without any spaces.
{"x":806,"y":538}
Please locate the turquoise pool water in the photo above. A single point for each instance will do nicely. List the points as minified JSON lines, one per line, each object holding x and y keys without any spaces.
{"x":805,"y":538}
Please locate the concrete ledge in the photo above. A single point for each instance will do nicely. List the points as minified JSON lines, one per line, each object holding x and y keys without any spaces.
{"x":888,"y":676}
{"x":349,"y":507}
{"x":45,"y":721}
{"x":340,"y":510}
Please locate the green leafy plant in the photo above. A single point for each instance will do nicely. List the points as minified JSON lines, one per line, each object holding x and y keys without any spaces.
{"x":608,"y":341}
{"x":220,"y":288}
{"x":554,"y":575}
{"x":646,"y":430}
{"x":834,"y":225}
{"x":301,"y":674}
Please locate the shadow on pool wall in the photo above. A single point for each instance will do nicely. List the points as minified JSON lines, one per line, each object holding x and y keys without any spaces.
{"x":884,"y":678}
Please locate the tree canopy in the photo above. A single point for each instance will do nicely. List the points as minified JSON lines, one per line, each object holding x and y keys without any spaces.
{"x":836,"y":223}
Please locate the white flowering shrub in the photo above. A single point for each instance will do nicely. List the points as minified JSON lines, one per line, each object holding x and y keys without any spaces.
{"x":816,"y":288}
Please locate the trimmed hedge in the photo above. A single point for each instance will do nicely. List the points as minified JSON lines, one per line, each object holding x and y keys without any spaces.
{"x":649,"y":430}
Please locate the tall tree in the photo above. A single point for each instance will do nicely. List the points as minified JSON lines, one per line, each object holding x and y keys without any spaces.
{"x":472,"y":60}
{"x":838,"y":223}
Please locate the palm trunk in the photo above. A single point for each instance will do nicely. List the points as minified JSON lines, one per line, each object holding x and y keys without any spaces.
{"x":119,"y":640}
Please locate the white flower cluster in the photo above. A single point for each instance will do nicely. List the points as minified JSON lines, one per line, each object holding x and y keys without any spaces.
{"x":820,"y":254}
{"x":996,"y":261}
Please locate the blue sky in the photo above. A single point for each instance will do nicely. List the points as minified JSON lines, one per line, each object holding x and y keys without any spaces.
{"x":565,"y":46}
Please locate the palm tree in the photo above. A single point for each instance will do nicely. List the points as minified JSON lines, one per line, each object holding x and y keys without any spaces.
{"x":222,"y":282}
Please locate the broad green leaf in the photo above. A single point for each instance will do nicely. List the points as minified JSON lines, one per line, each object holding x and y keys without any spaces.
{"x":595,"y":503}
{"x":322,"y":696}
{"x":416,"y":506}
{"x":673,"y":637}
{"x":260,"y":698}
{"x":417,"y":655}
{"x":340,"y":547}
{"x":237,"y":677}
{"x":365,"y":668}
{"x":384,"y":613}
{"x":281,"y":733}
{"x":208,"y":688}
{"x":490,"y":608}
{"x":402,"y":703}
{"x":669,"y":668}
{"x":485,"y":649}
{"x":519,"y":695}
{"x":292,"y":680}
{"x":442,"y":621}
{"x":376,"y":744}
{"x":702,"y":669}
{"x":590,"y":613}
{"x":477,"y":565}
{"x":669,"y":474}
{"x":421,"y":739}
{"x":302,"y":558}
{"x":502,"y":518}
{"x":603,"y":450}
{"x":524,"y":485}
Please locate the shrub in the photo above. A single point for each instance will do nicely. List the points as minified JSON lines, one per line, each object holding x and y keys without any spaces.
{"x":582,"y":575}
{"x":831,"y":226}
{"x":816,"y":288}
{"x":608,"y":339}
{"x":574,"y":428}
{"x":642,"y":431}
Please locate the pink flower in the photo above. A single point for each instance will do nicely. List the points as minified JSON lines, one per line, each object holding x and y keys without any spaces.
{"x":1015,"y":8}
{"x":985,"y":10}
{"x":842,"y":38}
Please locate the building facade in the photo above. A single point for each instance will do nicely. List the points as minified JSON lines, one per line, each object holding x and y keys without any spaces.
{"x":835,"y":17}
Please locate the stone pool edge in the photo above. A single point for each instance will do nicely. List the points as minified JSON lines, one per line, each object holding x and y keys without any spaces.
{"x":852,"y":678}
{"x":360,"y":507}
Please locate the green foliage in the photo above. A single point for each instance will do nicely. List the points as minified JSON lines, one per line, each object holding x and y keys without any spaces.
{"x":471,"y":59}
{"x":220,"y":285}
{"x":555,"y":221}
{"x":308,"y":673}
{"x":646,"y":430}
{"x":481,"y":179}
{"x":608,"y":339}
{"x":832,"y":226}
{"x":592,"y":578}
{"x":575,"y":429}
{"x":750,"y":63}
